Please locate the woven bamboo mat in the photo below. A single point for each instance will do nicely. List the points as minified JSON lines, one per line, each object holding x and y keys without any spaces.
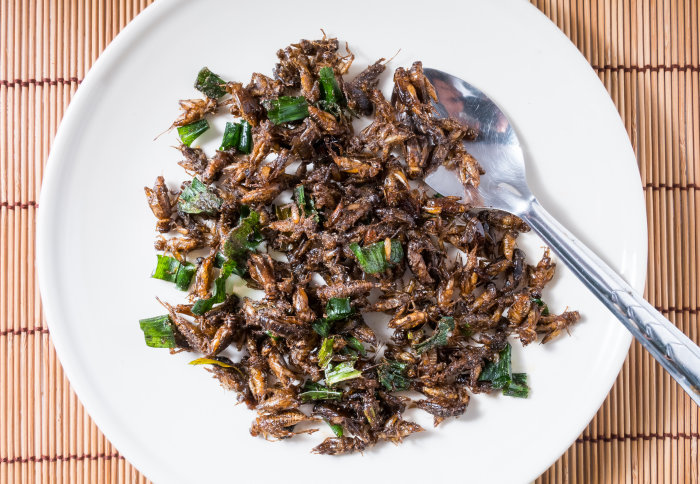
{"x":646,"y":52}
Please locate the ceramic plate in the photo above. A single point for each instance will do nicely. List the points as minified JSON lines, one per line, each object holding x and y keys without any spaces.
{"x":95,"y":237}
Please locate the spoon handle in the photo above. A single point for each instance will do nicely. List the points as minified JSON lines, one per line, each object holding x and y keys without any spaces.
{"x":667,"y":344}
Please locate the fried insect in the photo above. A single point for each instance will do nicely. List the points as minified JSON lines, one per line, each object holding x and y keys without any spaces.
{"x":361,"y":233}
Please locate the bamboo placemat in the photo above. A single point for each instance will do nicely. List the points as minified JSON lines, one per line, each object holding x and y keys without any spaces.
{"x":646,"y":54}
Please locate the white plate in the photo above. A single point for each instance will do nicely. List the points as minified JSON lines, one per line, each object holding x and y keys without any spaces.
{"x":95,"y":234}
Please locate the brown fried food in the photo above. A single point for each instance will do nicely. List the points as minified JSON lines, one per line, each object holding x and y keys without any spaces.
{"x":452,"y":280}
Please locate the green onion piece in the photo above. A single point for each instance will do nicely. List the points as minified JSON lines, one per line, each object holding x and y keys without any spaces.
{"x":325,"y":353}
{"x":305,"y":203}
{"x":190,"y":132}
{"x":337,"y":429}
{"x":439,"y":337}
{"x":322,"y":327}
{"x":232,"y":136}
{"x":316,"y":391}
{"x":356,"y":345}
{"x":197,"y":198}
{"x":245,"y":236}
{"x":245,"y":144}
{"x":285,"y":109}
{"x":373,"y":258}
{"x":211,"y":361}
{"x":517,"y":387}
{"x":185,"y":275}
{"x":171,"y":270}
{"x":331,"y":89}
{"x":333,"y":98}
{"x":499,"y":374}
{"x":158,"y":331}
{"x":438,"y":195}
{"x":166,"y":268}
{"x":338,"y":308}
{"x":392,"y":375}
{"x":219,"y":260}
{"x":341,"y":372}
{"x":201,"y":306}
{"x":209,"y":83}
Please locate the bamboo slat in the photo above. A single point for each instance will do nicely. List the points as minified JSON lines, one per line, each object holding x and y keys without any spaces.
{"x":646,"y":53}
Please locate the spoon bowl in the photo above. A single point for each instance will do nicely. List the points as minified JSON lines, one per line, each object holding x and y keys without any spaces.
{"x":504,"y":187}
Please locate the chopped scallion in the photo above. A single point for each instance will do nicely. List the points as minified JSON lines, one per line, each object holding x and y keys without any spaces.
{"x":190,"y":132}
{"x":338,"y":308}
{"x":171,"y":270}
{"x":322,"y":327}
{"x":325,"y":353}
{"x":392,"y":375}
{"x":341,"y":372}
{"x":244,"y":237}
{"x":356,"y":345}
{"x":337,"y":429}
{"x":373,"y":258}
{"x":232,"y":136}
{"x":517,"y":387}
{"x":198,"y":198}
{"x":245,"y":144}
{"x":158,"y":331}
{"x":439,"y":337}
{"x":209,"y":83}
{"x":316,"y":391}
{"x":285,"y":109}
{"x":501,"y":377}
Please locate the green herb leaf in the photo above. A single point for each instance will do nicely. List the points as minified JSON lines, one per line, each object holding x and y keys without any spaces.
{"x":331,"y":89}
{"x":325,"y":353}
{"x":356,"y":345}
{"x":201,"y":306}
{"x":333,"y":99}
{"x":499,"y":374}
{"x":316,"y":391}
{"x":439,"y":337}
{"x":517,"y":387}
{"x":285,"y":109}
{"x":244,"y":237}
{"x":158,"y":331}
{"x":197,"y":198}
{"x":338,"y":308}
{"x":305,"y":204}
{"x":337,"y":429}
{"x":392,"y":375}
{"x":322,"y":327}
{"x":209,"y":83}
{"x":211,"y":361}
{"x":219,"y":260}
{"x":232,"y":136}
{"x":245,"y":144}
{"x":341,"y":372}
{"x":373,"y":258}
{"x":171,"y":270}
{"x":190,"y":132}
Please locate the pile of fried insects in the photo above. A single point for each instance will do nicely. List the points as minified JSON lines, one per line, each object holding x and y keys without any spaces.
{"x":361,"y":233}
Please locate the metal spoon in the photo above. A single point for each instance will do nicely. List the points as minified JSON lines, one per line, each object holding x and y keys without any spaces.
{"x":504,"y":187}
